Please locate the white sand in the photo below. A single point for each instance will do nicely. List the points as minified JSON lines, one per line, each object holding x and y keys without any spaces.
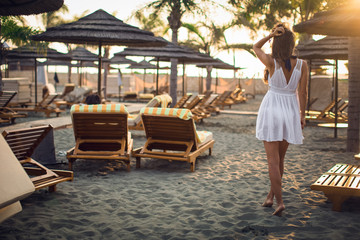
{"x":220,"y":200}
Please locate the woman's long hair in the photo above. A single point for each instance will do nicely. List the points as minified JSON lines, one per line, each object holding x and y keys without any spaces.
{"x":282,"y":48}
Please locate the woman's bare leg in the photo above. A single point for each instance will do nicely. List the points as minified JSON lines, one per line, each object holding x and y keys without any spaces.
{"x":274,"y":166}
{"x":283,"y":146}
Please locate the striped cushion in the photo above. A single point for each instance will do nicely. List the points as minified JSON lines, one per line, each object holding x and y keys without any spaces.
{"x":100,"y":108}
{"x":203,"y":137}
{"x":164,"y":100}
{"x":181,"y":113}
{"x":185,"y":114}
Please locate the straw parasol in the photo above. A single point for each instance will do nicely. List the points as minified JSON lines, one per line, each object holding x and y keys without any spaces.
{"x":120,"y":60}
{"x":171,"y":50}
{"x":343,"y":21}
{"x":28,"y":7}
{"x":99,"y":28}
{"x":330,"y":47}
{"x":218,"y":64}
{"x":30,"y":52}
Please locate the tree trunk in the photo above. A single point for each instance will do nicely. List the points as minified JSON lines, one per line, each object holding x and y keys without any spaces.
{"x":208,"y":78}
{"x":173,"y":74}
{"x":354,"y":96}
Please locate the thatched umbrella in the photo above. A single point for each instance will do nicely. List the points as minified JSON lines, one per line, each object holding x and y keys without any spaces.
{"x":218,"y":64}
{"x":99,"y":28}
{"x":28,"y":7}
{"x":34,"y":53}
{"x":143,"y":65}
{"x":171,"y":50}
{"x":343,"y":21}
{"x":330,"y":47}
{"x":25,"y":7}
{"x":121,"y":60}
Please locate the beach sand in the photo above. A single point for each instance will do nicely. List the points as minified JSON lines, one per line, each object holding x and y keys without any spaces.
{"x":220,"y":200}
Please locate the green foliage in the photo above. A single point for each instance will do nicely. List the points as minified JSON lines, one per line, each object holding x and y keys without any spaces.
{"x":208,"y":36}
{"x":266,"y":13}
{"x":52,"y":19}
{"x":12,"y":31}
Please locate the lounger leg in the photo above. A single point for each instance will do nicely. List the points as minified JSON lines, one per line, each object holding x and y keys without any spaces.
{"x":52,"y":188}
{"x":71,"y":160}
{"x":192,"y":166}
{"x":138,"y":162}
{"x":128,"y":167}
{"x":337,"y":201}
{"x":210,"y":151}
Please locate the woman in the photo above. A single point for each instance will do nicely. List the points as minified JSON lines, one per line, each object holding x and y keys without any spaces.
{"x":280,"y":120}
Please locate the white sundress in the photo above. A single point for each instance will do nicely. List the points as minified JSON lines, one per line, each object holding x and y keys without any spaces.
{"x":279,"y":113}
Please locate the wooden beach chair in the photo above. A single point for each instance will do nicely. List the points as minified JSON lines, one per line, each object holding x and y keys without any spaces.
{"x":15,"y":184}
{"x":182,"y":101}
{"x":171,"y":134}
{"x":238,"y":95}
{"x":199,"y":112}
{"x":193,"y":103}
{"x":23,"y":142}
{"x":341,"y":182}
{"x":45,"y":106}
{"x":76,"y":96}
{"x":324,"y":115}
{"x":6,"y":113}
{"x":101,"y":133}
{"x":134,"y":120}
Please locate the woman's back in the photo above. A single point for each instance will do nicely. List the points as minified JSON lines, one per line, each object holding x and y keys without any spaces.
{"x":279,"y":80}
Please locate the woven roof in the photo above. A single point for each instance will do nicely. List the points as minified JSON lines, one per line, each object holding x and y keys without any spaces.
{"x":33,"y":52}
{"x":121,"y":60}
{"x":171,"y":50}
{"x":330,"y":47}
{"x":28,"y":7}
{"x":219,"y":64}
{"x":142,"y":65}
{"x":342,"y":21}
{"x":97,"y":28}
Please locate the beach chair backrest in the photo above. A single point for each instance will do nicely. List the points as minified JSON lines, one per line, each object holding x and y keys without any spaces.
{"x":193,"y":103}
{"x":23,"y":142}
{"x":15,"y":183}
{"x":172,"y":124}
{"x":100,"y":122}
{"x":69,"y":87}
{"x":182,"y":101}
{"x":6,"y":97}
{"x":47,"y":100}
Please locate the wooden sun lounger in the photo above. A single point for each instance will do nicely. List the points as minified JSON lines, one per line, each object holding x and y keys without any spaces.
{"x":134,"y":120}
{"x":170,"y":137}
{"x":324,"y":115}
{"x":6,"y":113}
{"x":100,"y":135}
{"x":182,"y":101}
{"x":43,"y":106}
{"x":199,"y":111}
{"x":341,"y":182}
{"x":23,"y":142}
{"x":15,"y":184}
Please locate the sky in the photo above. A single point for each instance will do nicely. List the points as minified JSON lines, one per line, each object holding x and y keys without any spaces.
{"x":252,"y":67}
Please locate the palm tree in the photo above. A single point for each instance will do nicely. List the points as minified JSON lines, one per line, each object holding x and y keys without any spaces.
{"x":12,"y":29}
{"x":212,"y":38}
{"x":152,"y":23}
{"x":52,"y":19}
{"x":176,"y":9}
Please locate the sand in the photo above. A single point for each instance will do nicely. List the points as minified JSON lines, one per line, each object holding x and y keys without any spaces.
{"x":220,"y":200}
